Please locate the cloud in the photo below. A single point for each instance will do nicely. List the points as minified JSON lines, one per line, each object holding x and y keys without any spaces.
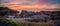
{"x":56,"y":2}
{"x":20,"y":1}
{"x":51,"y":3}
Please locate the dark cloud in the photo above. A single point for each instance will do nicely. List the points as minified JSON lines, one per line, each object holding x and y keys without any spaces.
{"x":57,"y":2}
{"x":1,"y":1}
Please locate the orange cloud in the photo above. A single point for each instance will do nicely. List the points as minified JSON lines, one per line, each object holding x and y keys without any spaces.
{"x":31,"y":7}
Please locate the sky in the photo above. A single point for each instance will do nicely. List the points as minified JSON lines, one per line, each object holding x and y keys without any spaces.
{"x":30,"y":4}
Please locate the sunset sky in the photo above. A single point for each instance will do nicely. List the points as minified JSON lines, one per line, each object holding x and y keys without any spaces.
{"x":30,"y":4}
